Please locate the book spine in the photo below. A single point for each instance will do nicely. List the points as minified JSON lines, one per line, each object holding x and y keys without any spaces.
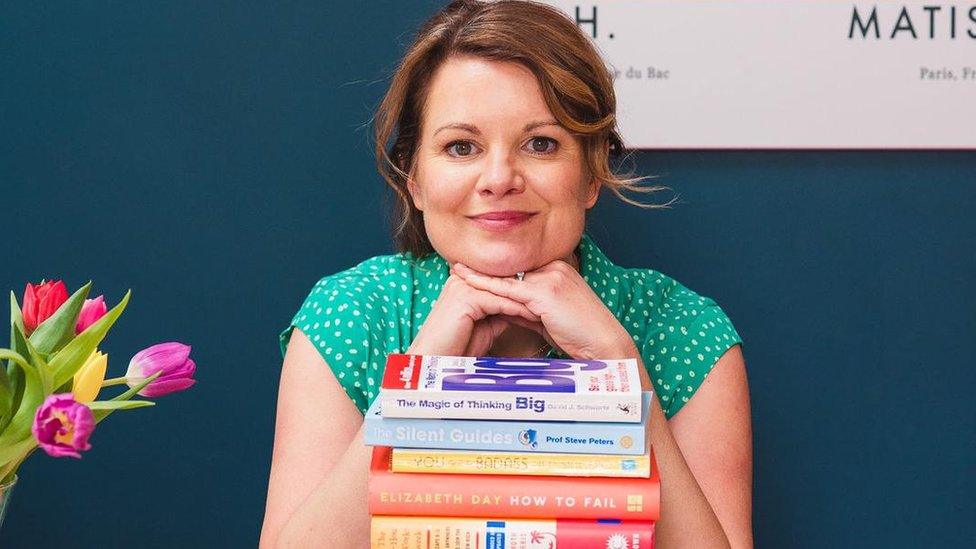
{"x":428,"y":494}
{"x":576,"y":437}
{"x":409,"y":460}
{"x":391,"y":532}
{"x":511,"y":406}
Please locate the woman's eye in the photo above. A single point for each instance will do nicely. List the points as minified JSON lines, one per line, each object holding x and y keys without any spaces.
{"x":542,"y":145}
{"x":459,"y":148}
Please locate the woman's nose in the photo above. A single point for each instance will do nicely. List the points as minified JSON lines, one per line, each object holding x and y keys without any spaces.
{"x":501,"y":176}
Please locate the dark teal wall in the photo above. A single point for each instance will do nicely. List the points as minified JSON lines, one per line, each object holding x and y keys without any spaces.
{"x":213,"y":158}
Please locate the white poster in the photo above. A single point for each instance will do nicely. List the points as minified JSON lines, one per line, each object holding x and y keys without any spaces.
{"x":789,"y":74}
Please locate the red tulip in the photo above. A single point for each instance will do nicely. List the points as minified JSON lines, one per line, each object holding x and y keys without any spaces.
{"x":41,"y":301}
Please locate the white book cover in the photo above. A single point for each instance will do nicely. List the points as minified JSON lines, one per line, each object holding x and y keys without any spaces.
{"x":547,"y":389}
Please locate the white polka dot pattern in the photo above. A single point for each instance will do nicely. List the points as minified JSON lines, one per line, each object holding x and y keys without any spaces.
{"x":358,"y":316}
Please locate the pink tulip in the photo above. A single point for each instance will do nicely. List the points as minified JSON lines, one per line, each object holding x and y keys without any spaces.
{"x":41,"y":301}
{"x":92,"y":310}
{"x":62,"y":426}
{"x":172,"y":359}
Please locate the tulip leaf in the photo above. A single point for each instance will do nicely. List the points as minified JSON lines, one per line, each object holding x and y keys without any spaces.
{"x":72,"y":357}
{"x":16,"y":394}
{"x":13,"y":372}
{"x":33,"y":396}
{"x":6,"y":397}
{"x":9,"y":469}
{"x":16,"y":316}
{"x":102,"y":414}
{"x":119,"y":404}
{"x":56,"y":331}
{"x":43,"y":370}
{"x":15,"y":313}
{"x":16,"y":451}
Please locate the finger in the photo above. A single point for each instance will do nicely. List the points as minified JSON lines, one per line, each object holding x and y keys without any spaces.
{"x":483,"y":303}
{"x":519,"y":290}
{"x":492,"y":304}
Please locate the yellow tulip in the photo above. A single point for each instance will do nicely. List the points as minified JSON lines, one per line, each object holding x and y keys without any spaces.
{"x":88,"y":380}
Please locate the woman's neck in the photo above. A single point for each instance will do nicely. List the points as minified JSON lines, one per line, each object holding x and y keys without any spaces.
{"x":520,"y":342}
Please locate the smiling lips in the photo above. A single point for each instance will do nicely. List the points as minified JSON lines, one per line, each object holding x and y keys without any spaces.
{"x":502,"y":220}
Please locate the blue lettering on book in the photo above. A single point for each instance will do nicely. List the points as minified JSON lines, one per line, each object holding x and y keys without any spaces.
{"x":528,"y":403}
{"x":525,"y":374}
{"x":435,"y":404}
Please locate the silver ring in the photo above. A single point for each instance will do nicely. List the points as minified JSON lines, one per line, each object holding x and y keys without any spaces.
{"x":520,"y":276}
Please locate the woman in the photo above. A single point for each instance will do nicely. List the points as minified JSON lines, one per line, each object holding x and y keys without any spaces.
{"x":501,"y":117}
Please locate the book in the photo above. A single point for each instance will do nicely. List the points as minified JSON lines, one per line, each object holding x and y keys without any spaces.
{"x":509,"y":496}
{"x":467,"y":462}
{"x":478,"y":533}
{"x":575,"y":437}
{"x":511,"y":388}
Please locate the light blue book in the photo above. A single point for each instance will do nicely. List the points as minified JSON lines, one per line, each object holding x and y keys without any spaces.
{"x":573,"y":437}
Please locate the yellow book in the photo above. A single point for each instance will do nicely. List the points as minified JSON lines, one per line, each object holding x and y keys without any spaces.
{"x":418,"y":460}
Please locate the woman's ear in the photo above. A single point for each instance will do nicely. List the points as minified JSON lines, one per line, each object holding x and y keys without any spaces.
{"x":416,"y":194}
{"x":592,"y":192}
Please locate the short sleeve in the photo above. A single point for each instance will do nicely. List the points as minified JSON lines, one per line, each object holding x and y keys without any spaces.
{"x":686,"y":337}
{"x":342,"y":318}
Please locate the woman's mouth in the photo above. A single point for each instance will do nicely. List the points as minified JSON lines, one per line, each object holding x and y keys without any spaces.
{"x":501,"y":220}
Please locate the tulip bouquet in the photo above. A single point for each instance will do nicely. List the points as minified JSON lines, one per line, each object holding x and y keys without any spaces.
{"x":54,"y":373}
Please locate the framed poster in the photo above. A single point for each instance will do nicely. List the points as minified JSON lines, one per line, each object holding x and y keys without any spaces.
{"x":791,"y":74}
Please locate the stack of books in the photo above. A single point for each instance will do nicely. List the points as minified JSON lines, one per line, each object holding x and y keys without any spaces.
{"x":504,"y":452}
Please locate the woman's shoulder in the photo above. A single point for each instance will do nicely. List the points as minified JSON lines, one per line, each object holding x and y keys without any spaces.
{"x":352,"y":319}
{"x":372,"y":274}
{"x":353,"y":298}
{"x":378,"y":277}
{"x":641,"y":294}
{"x":681,"y":334}
{"x":655,"y":290}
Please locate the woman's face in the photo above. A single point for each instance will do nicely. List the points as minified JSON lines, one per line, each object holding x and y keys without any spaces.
{"x":501,"y":185}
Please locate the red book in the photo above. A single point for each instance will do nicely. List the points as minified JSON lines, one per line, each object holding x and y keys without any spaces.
{"x":510,"y":496}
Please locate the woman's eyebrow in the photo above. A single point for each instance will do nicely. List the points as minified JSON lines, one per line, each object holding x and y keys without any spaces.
{"x":473,"y":129}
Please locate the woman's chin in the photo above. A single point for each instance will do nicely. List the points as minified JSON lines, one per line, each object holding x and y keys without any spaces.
{"x":496,"y":268}
{"x":503,"y":264}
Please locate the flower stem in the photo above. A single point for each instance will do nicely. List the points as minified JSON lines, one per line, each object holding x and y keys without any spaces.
{"x":114,"y":381}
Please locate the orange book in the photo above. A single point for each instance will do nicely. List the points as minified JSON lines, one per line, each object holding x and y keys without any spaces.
{"x":510,"y":496}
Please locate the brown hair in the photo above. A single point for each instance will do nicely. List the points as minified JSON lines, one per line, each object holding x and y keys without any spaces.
{"x":575,"y":82}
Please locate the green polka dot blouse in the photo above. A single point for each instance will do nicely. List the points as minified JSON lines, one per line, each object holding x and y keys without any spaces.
{"x":358,"y":316}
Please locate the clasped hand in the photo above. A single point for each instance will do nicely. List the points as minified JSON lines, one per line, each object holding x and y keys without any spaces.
{"x":473,"y":309}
